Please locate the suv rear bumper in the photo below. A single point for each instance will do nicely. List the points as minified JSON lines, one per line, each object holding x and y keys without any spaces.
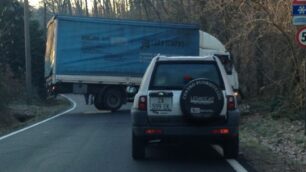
{"x":208,"y":133}
{"x":185,"y":134}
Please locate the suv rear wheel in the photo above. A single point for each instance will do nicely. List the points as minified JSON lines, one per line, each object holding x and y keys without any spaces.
{"x":231,"y":148}
{"x":138,"y":147}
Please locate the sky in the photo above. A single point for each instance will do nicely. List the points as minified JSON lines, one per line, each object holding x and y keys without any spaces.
{"x":34,"y":3}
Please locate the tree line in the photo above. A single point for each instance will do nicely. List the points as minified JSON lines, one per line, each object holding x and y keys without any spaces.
{"x":12,"y":56}
{"x":259,"y":33}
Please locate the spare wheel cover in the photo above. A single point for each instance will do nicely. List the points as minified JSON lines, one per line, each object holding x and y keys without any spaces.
{"x":201,"y":99}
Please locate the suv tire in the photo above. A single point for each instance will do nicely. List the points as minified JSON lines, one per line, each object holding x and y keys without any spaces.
{"x":138,"y":147}
{"x":231,"y":148}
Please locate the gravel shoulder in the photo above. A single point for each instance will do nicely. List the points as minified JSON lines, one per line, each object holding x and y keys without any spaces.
{"x":20,"y":114}
{"x":271,"y":144}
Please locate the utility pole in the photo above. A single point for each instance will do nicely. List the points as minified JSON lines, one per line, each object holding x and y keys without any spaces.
{"x":27,"y":46}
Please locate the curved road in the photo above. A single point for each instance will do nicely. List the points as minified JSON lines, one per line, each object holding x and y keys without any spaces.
{"x":86,"y":140}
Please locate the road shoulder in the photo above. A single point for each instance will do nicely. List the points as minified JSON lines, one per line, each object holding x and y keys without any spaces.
{"x":272,"y":145}
{"x":21,"y":115}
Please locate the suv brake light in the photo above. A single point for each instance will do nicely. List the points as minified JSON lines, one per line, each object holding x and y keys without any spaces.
{"x":142,"y":103}
{"x":231,"y":104}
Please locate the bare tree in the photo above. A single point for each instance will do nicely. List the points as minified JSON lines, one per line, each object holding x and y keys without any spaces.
{"x":78,"y":7}
{"x":86,"y":8}
{"x":95,"y":8}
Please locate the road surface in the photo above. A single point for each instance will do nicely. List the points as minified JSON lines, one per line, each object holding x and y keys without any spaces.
{"x":86,"y":140}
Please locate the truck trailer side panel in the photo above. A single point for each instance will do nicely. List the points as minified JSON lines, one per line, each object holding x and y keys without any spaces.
{"x":115,"y":48}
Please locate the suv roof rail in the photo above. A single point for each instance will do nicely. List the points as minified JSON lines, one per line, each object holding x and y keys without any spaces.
{"x":214,"y":57}
{"x":159,"y":55}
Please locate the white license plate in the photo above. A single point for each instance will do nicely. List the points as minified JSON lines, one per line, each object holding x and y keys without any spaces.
{"x":161,"y":103}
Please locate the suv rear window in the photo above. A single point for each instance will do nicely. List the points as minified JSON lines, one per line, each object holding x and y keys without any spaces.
{"x":175,"y":75}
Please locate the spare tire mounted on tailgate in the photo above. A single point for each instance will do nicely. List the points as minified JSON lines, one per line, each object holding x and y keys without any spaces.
{"x":201,"y":99}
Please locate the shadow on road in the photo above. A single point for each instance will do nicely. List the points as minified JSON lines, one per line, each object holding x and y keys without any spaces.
{"x":182,"y":152}
{"x":183,"y":157}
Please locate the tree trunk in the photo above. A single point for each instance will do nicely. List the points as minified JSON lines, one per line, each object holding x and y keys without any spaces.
{"x":95,"y":5}
{"x":69,"y":7}
{"x":86,"y":8}
{"x":45,"y":16}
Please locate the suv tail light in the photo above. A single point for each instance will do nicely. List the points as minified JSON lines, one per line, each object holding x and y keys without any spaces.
{"x":153,"y":131}
{"x":142,"y":103}
{"x":221,"y":131}
{"x":231,"y":104}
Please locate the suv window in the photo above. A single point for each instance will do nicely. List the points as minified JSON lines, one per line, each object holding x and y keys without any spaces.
{"x":175,"y":75}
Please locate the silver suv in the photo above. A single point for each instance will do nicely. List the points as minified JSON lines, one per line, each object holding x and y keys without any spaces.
{"x":185,"y":98}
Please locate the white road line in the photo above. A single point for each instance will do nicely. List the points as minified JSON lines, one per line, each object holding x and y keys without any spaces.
{"x":232,"y":162}
{"x":41,"y":122}
{"x":236,"y":165}
{"x":95,"y":112}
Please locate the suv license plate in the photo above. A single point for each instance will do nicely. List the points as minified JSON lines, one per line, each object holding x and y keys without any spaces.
{"x":161,"y":103}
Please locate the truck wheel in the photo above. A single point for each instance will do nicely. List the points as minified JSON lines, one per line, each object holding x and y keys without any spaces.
{"x":98,"y":102}
{"x":112,"y":99}
{"x":138,"y":148}
{"x":231,"y":148}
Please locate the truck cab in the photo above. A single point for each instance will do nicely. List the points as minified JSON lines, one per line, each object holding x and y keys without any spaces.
{"x":211,"y":46}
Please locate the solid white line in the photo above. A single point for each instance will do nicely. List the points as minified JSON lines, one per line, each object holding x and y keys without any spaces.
{"x":236,"y":165}
{"x":232,"y":162}
{"x":95,"y":112}
{"x":41,"y":122}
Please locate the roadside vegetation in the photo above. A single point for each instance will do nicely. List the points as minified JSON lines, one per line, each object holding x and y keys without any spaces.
{"x":16,"y":109}
{"x":20,"y":114}
{"x":259,"y":33}
{"x":272,"y":140}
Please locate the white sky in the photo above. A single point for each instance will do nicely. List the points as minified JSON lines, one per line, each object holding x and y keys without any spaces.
{"x":34,"y":3}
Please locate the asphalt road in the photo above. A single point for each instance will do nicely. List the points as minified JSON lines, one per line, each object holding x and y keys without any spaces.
{"x":86,"y":140}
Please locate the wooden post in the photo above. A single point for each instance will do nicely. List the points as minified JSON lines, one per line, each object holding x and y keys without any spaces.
{"x":27,"y":50}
